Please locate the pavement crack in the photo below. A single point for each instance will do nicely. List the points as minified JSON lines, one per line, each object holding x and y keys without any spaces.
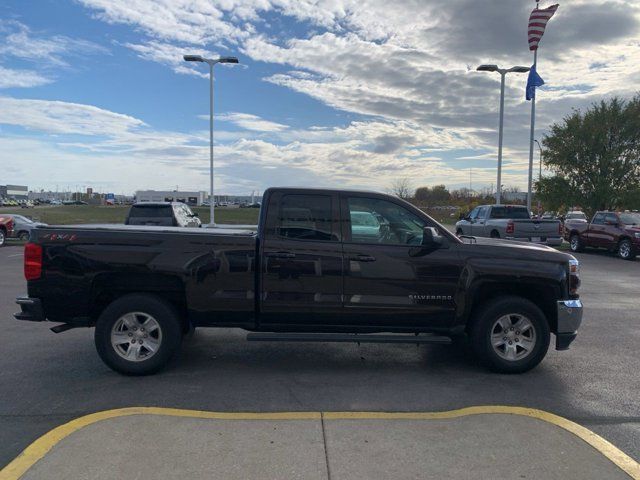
{"x":324,"y":441}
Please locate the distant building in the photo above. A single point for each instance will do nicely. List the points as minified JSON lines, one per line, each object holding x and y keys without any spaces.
{"x":514,"y":197}
{"x":15,"y":192}
{"x":190,"y":198}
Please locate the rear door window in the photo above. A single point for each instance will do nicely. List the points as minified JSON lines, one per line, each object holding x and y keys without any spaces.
{"x":305,"y":217}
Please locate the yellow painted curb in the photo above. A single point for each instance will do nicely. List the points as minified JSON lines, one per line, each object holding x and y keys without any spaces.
{"x":39,"y":448}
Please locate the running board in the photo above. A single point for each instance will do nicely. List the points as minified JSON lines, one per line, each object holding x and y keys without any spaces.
{"x":345,"y":338}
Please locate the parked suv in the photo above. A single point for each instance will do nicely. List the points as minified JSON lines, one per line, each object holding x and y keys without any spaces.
{"x":162,"y":214}
{"x":618,"y":232}
{"x":22,"y":226}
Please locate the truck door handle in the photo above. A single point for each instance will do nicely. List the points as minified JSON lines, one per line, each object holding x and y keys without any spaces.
{"x":362,"y":258}
{"x":281,"y":255}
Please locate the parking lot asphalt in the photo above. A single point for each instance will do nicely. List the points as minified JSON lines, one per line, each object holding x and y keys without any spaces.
{"x":49,"y":379}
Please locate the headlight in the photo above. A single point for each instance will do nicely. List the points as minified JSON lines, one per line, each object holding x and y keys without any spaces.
{"x":637,"y":234}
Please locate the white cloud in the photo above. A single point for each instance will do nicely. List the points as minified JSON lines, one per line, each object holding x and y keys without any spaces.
{"x":63,"y":117}
{"x":17,"y":40}
{"x":171,"y":55}
{"x":249,"y":122}
{"x":10,"y":78}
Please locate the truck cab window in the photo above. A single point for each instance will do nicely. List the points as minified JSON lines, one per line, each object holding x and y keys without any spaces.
{"x":378,"y":221}
{"x":509,"y":212}
{"x":611,"y":219}
{"x":305,"y":217}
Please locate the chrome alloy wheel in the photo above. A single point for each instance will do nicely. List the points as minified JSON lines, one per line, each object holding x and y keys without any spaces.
{"x":513,"y":337}
{"x":624,"y":250}
{"x":136,"y":336}
{"x":575,"y":243}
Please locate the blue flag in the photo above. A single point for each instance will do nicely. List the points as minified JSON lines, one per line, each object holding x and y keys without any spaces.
{"x":533,"y":81}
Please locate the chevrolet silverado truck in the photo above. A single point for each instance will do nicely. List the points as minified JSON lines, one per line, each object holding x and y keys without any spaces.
{"x":617,"y":232}
{"x":322,"y":265}
{"x":511,"y":222}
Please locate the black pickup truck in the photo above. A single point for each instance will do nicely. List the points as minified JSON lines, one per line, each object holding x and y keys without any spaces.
{"x":322,"y":265}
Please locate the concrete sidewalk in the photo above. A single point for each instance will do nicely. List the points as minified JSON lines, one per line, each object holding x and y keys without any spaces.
{"x":315,"y":446}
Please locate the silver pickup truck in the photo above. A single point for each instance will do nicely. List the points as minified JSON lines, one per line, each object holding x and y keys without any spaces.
{"x":511,"y":222}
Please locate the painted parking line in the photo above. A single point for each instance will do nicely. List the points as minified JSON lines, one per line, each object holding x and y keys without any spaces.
{"x":39,"y":448}
{"x":16,"y":255}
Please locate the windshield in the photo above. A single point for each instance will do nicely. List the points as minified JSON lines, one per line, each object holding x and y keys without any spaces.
{"x":630,"y":218}
{"x":576,"y":216}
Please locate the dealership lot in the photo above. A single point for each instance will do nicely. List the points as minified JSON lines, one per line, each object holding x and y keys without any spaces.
{"x":48,"y":379}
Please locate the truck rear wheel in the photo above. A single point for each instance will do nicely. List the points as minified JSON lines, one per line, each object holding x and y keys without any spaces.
{"x":510,"y":335}
{"x":137,"y":334}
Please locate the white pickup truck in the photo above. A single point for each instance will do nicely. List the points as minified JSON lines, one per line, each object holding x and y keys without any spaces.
{"x":511,"y":222}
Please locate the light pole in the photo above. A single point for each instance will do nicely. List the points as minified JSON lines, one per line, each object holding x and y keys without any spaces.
{"x":503,"y":73}
{"x":539,"y":176}
{"x":211,"y":63}
{"x":540,"y":148}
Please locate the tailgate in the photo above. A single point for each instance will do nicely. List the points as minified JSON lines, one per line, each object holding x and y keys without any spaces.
{"x":536,"y":228}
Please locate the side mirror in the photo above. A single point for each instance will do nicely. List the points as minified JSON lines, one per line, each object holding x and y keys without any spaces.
{"x":431,"y":237}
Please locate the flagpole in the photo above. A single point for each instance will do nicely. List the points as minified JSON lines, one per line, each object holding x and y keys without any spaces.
{"x":531,"y":136}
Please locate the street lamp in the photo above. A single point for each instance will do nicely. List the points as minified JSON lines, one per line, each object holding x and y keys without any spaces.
{"x":503,"y":72}
{"x":211,"y":63}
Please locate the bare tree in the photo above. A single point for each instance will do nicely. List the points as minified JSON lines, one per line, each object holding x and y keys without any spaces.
{"x":401,"y":188}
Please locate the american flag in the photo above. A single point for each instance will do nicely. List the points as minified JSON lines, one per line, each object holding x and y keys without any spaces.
{"x":537,"y":23}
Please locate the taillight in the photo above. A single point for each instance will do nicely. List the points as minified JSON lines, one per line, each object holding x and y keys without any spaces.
{"x":10,"y":225}
{"x":32,"y":261}
{"x":560,"y":229}
{"x":510,"y":227}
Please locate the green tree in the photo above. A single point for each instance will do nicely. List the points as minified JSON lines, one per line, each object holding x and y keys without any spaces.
{"x":595,"y":156}
{"x":436,"y":195}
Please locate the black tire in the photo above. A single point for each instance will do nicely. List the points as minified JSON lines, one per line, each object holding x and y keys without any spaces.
{"x":626,"y":250}
{"x":575,"y":244}
{"x":3,"y":237}
{"x":495,"y":234}
{"x":483,"y":326}
{"x":24,"y":236}
{"x":168,"y":322}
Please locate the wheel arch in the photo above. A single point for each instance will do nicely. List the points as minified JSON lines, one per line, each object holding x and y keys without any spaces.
{"x":543,"y":295}
{"x":107,"y":288}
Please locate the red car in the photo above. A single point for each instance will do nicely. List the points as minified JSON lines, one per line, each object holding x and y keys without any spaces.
{"x":615,"y":231}
{"x":6,"y":228}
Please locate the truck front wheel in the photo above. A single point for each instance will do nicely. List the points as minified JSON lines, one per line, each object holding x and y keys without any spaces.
{"x":575,"y":243}
{"x":626,"y":250}
{"x":137,"y":334}
{"x":510,"y":335}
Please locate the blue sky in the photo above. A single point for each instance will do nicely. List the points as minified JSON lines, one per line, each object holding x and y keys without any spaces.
{"x":339,"y":93}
